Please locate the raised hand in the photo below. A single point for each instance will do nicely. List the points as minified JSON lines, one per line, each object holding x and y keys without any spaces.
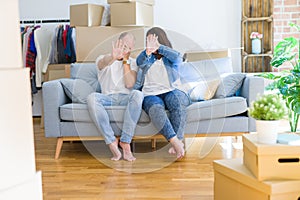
{"x":152,"y":44}
{"x":117,"y":50}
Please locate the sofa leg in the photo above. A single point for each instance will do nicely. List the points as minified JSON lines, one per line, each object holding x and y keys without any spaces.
{"x":153,"y":142}
{"x":58,"y":147}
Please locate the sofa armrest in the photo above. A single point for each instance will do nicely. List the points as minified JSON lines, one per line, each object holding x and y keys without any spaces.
{"x":53,"y":97}
{"x":252,"y":86}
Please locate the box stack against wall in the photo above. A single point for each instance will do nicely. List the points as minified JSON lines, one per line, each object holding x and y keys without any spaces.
{"x":266,"y":172}
{"x":94,"y":38}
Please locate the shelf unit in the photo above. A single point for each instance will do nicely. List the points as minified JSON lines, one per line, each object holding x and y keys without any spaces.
{"x":257,"y":16}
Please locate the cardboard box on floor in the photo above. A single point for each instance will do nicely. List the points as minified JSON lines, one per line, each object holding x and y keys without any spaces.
{"x":94,"y":41}
{"x":86,"y":14}
{"x":133,"y":13}
{"x":150,"y":2}
{"x":235,"y":182}
{"x":269,"y":162}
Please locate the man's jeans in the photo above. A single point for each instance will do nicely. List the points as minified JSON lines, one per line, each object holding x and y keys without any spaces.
{"x":133,"y":102}
{"x":176,"y":102}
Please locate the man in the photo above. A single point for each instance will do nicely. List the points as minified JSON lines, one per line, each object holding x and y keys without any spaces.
{"x":117,"y":75}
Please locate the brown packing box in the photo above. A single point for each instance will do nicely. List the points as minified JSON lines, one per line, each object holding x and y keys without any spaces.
{"x":86,"y":15}
{"x":150,"y":2}
{"x":57,"y":71}
{"x":206,"y":55}
{"x":235,"y":182}
{"x":94,"y":41}
{"x":132,"y":13}
{"x":269,"y":162}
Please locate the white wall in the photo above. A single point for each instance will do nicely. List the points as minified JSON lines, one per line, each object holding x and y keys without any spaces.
{"x":213,"y":24}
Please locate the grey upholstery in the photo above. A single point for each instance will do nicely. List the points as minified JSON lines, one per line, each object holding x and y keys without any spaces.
{"x":64,"y":118}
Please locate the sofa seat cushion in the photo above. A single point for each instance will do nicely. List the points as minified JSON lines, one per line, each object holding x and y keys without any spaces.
{"x":216,"y":108}
{"x":203,"y":110}
{"x":79,"y":113}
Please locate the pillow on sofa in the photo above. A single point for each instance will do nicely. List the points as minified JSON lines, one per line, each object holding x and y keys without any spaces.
{"x":76,"y":89}
{"x":229,"y":85}
{"x":204,"y":90}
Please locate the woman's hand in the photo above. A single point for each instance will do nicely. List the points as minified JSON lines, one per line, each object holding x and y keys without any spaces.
{"x":152,"y":44}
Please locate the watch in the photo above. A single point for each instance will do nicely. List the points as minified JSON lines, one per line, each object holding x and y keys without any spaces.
{"x":126,"y":62}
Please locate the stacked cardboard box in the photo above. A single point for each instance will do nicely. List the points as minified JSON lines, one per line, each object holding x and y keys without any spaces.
{"x":126,"y":15}
{"x":270,"y":172}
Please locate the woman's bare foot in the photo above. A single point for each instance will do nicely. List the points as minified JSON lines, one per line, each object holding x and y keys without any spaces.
{"x":177,"y":147}
{"x":127,"y":154}
{"x":115,"y":150}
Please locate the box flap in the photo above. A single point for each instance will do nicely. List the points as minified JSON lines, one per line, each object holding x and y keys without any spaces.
{"x":234,"y":169}
{"x":250,"y":141}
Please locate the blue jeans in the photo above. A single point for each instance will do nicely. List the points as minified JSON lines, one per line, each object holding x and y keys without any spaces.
{"x":175,"y":102}
{"x":133,"y":102}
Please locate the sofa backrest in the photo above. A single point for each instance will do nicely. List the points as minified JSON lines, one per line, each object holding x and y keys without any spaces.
{"x":87,"y":72}
{"x":205,"y":69}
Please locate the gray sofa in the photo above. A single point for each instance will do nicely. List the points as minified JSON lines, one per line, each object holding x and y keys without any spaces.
{"x":66,"y":116}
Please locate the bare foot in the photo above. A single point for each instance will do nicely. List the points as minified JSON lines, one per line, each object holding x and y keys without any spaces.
{"x":177,"y":146}
{"x":115,"y":150}
{"x":172,"y":150}
{"x":127,"y":155}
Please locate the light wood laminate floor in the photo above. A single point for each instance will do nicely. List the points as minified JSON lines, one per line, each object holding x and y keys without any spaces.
{"x":84,"y":170}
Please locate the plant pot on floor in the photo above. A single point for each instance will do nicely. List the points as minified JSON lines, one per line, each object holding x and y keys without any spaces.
{"x":267,"y":131}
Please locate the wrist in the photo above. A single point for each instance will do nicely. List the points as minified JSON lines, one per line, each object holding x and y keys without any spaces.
{"x":126,"y":61}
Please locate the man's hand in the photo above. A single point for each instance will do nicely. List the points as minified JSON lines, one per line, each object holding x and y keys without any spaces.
{"x":152,"y":44}
{"x":117,"y":50}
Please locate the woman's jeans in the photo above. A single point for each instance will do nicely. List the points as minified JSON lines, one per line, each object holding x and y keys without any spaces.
{"x":133,"y":102}
{"x":175,"y":102}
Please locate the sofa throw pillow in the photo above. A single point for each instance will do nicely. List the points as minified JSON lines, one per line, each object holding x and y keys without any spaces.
{"x":76,"y":89}
{"x":204,"y":90}
{"x":229,"y":85}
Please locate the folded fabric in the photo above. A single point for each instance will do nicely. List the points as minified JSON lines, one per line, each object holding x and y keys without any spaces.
{"x":288,"y":138}
{"x":76,"y":89}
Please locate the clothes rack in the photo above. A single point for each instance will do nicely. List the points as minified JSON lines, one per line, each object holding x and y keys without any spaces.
{"x":42,"y":21}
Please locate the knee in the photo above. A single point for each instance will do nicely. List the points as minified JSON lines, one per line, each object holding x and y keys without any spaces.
{"x":91,"y":98}
{"x":137,"y":95}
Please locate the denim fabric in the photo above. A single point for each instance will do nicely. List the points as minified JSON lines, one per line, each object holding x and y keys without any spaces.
{"x":133,"y":102}
{"x":171,"y":58}
{"x":175,"y":102}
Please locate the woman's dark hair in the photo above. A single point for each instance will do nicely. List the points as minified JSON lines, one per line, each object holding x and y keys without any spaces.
{"x":162,"y":36}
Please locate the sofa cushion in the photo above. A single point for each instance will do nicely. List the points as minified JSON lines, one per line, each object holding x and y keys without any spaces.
{"x":79,"y":112}
{"x":216,"y":108}
{"x":87,"y":72}
{"x":204,"y":90}
{"x":76,"y":89}
{"x":229,"y":85}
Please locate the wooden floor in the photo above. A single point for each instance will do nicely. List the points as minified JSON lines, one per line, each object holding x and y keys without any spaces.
{"x":84,"y":170}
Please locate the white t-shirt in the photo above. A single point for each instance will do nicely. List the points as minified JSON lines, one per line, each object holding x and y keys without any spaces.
{"x":156,"y":80}
{"x":111,"y":78}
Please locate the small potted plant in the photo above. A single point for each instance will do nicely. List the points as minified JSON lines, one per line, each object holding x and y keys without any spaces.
{"x":268,"y":109}
{"x":256,"y":42}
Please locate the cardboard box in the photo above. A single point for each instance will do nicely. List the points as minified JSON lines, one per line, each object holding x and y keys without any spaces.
{"x":86,"y":15}
{"x":57,"y":71}
{"x":133,"y":13}
{"x":150,"y":2}
{"x":94,"y":41}
{"x":269,"y":162}
{"x":191,"y":56}
{"x":17,"y":137}
{"x":235,"y":182}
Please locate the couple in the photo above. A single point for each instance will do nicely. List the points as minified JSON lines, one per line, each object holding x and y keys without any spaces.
{"x":147,"y":83}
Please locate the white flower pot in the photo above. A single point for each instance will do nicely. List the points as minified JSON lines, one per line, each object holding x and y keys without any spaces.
{"x":256,"y":46}
{"x":267,"y":131}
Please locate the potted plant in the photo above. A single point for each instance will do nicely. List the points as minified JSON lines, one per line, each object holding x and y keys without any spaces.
{"x":267,"y":110}
{"x":287,"y":82}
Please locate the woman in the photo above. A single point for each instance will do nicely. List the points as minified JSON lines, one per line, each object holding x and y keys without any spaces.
{"x":158,"y":78}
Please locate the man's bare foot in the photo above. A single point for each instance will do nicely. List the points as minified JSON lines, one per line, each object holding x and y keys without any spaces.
{"x":115,"y":150}
{"x":172,"y":150}
{"x":177,"y":146}
{"x":127,"y":154}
